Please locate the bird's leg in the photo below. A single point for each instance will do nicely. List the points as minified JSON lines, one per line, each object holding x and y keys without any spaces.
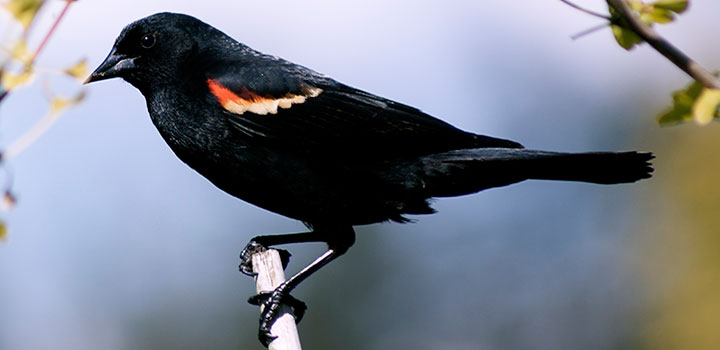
{"x":261,"y":243}
{"x":338,"y":244}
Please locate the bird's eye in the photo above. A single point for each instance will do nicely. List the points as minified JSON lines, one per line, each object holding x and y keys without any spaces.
{"x":147,"y":41}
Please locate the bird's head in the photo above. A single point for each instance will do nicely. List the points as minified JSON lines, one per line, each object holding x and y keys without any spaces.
{"x":154,"y":49}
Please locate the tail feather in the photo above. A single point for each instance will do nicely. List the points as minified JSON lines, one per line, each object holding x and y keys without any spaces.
{"x":598,"y":167}
{"x":466,"y":171}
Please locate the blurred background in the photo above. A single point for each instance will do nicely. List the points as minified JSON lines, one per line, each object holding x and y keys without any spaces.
{"x":116,"y":244}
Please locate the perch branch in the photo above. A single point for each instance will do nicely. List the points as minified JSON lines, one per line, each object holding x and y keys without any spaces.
{"x":269,"y":269}
{"x":630,"y":20}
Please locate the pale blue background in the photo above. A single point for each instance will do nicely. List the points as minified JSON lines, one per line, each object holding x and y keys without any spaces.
{"x":115,"y":244}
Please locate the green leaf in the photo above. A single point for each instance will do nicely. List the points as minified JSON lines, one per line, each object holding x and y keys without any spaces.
{"x":10,"y":81}
{"x":650,"y":13}
{"x":706,"y":106}
{"x":3,"y":231}
{"x":695,"y":102}
{"x":59,"y":104}
{"x":681,"y":109}
{"x":661,"y":11}
{"x":625,"y":37}
{"x":24,"y":10}
{"x":20,"y":53}
{"x":660,"y":15}
{"x":636,"y":5}
{"x":78,"y":70}
{"x":677,"y":6}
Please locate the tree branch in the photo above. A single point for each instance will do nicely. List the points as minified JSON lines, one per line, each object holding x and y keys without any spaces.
{"x":630,"y":20}
{"x":51,"y":31}
{"x":269,"y":269}
{"x":43,"y":43}
{"x":582,"y":9}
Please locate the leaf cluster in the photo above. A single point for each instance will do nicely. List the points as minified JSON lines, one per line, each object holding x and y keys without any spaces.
{"x":660,"y":11}
{"x":18,"y":70}
{"x":693,"y":103}
{"x":698,"y":102}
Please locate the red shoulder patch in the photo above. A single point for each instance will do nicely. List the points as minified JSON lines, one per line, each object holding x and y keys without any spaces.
{"x":248,"y":101}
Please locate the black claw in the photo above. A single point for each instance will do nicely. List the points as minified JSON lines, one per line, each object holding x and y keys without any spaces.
{"x":253,"y":247}
{"x":297,"y":306}
{"x":246,"y":266}
{"x":264,"y":335}
{"x":271,"y":302}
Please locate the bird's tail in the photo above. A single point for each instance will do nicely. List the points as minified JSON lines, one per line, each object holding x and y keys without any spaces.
{"x":470,"y":170}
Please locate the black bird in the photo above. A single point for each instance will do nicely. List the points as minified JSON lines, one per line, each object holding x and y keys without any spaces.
{"x":298,"y":143}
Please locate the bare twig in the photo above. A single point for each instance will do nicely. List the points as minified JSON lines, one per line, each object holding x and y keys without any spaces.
{"x":631,"y":21}
{"x":269,"y":269}
{"x":582,"y":9}
{"x":44,"y":41}
{"x":589,"y":31}
{"x":30,"y":136}
{"x":52,"y":30}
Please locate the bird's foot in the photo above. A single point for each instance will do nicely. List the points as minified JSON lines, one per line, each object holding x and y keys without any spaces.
{"x":246,"y":265}
{"x":270,"y":303}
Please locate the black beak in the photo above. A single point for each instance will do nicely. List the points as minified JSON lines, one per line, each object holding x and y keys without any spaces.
{"x":113,"y":66}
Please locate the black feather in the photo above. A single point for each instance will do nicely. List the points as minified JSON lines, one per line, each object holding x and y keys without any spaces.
{"x":339,"y":157}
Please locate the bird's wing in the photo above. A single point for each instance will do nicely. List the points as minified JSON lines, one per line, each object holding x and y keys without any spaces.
{"x":277,"y":101}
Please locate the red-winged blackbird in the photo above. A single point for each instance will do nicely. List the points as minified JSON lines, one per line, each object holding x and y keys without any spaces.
{"x":300,"y":144}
